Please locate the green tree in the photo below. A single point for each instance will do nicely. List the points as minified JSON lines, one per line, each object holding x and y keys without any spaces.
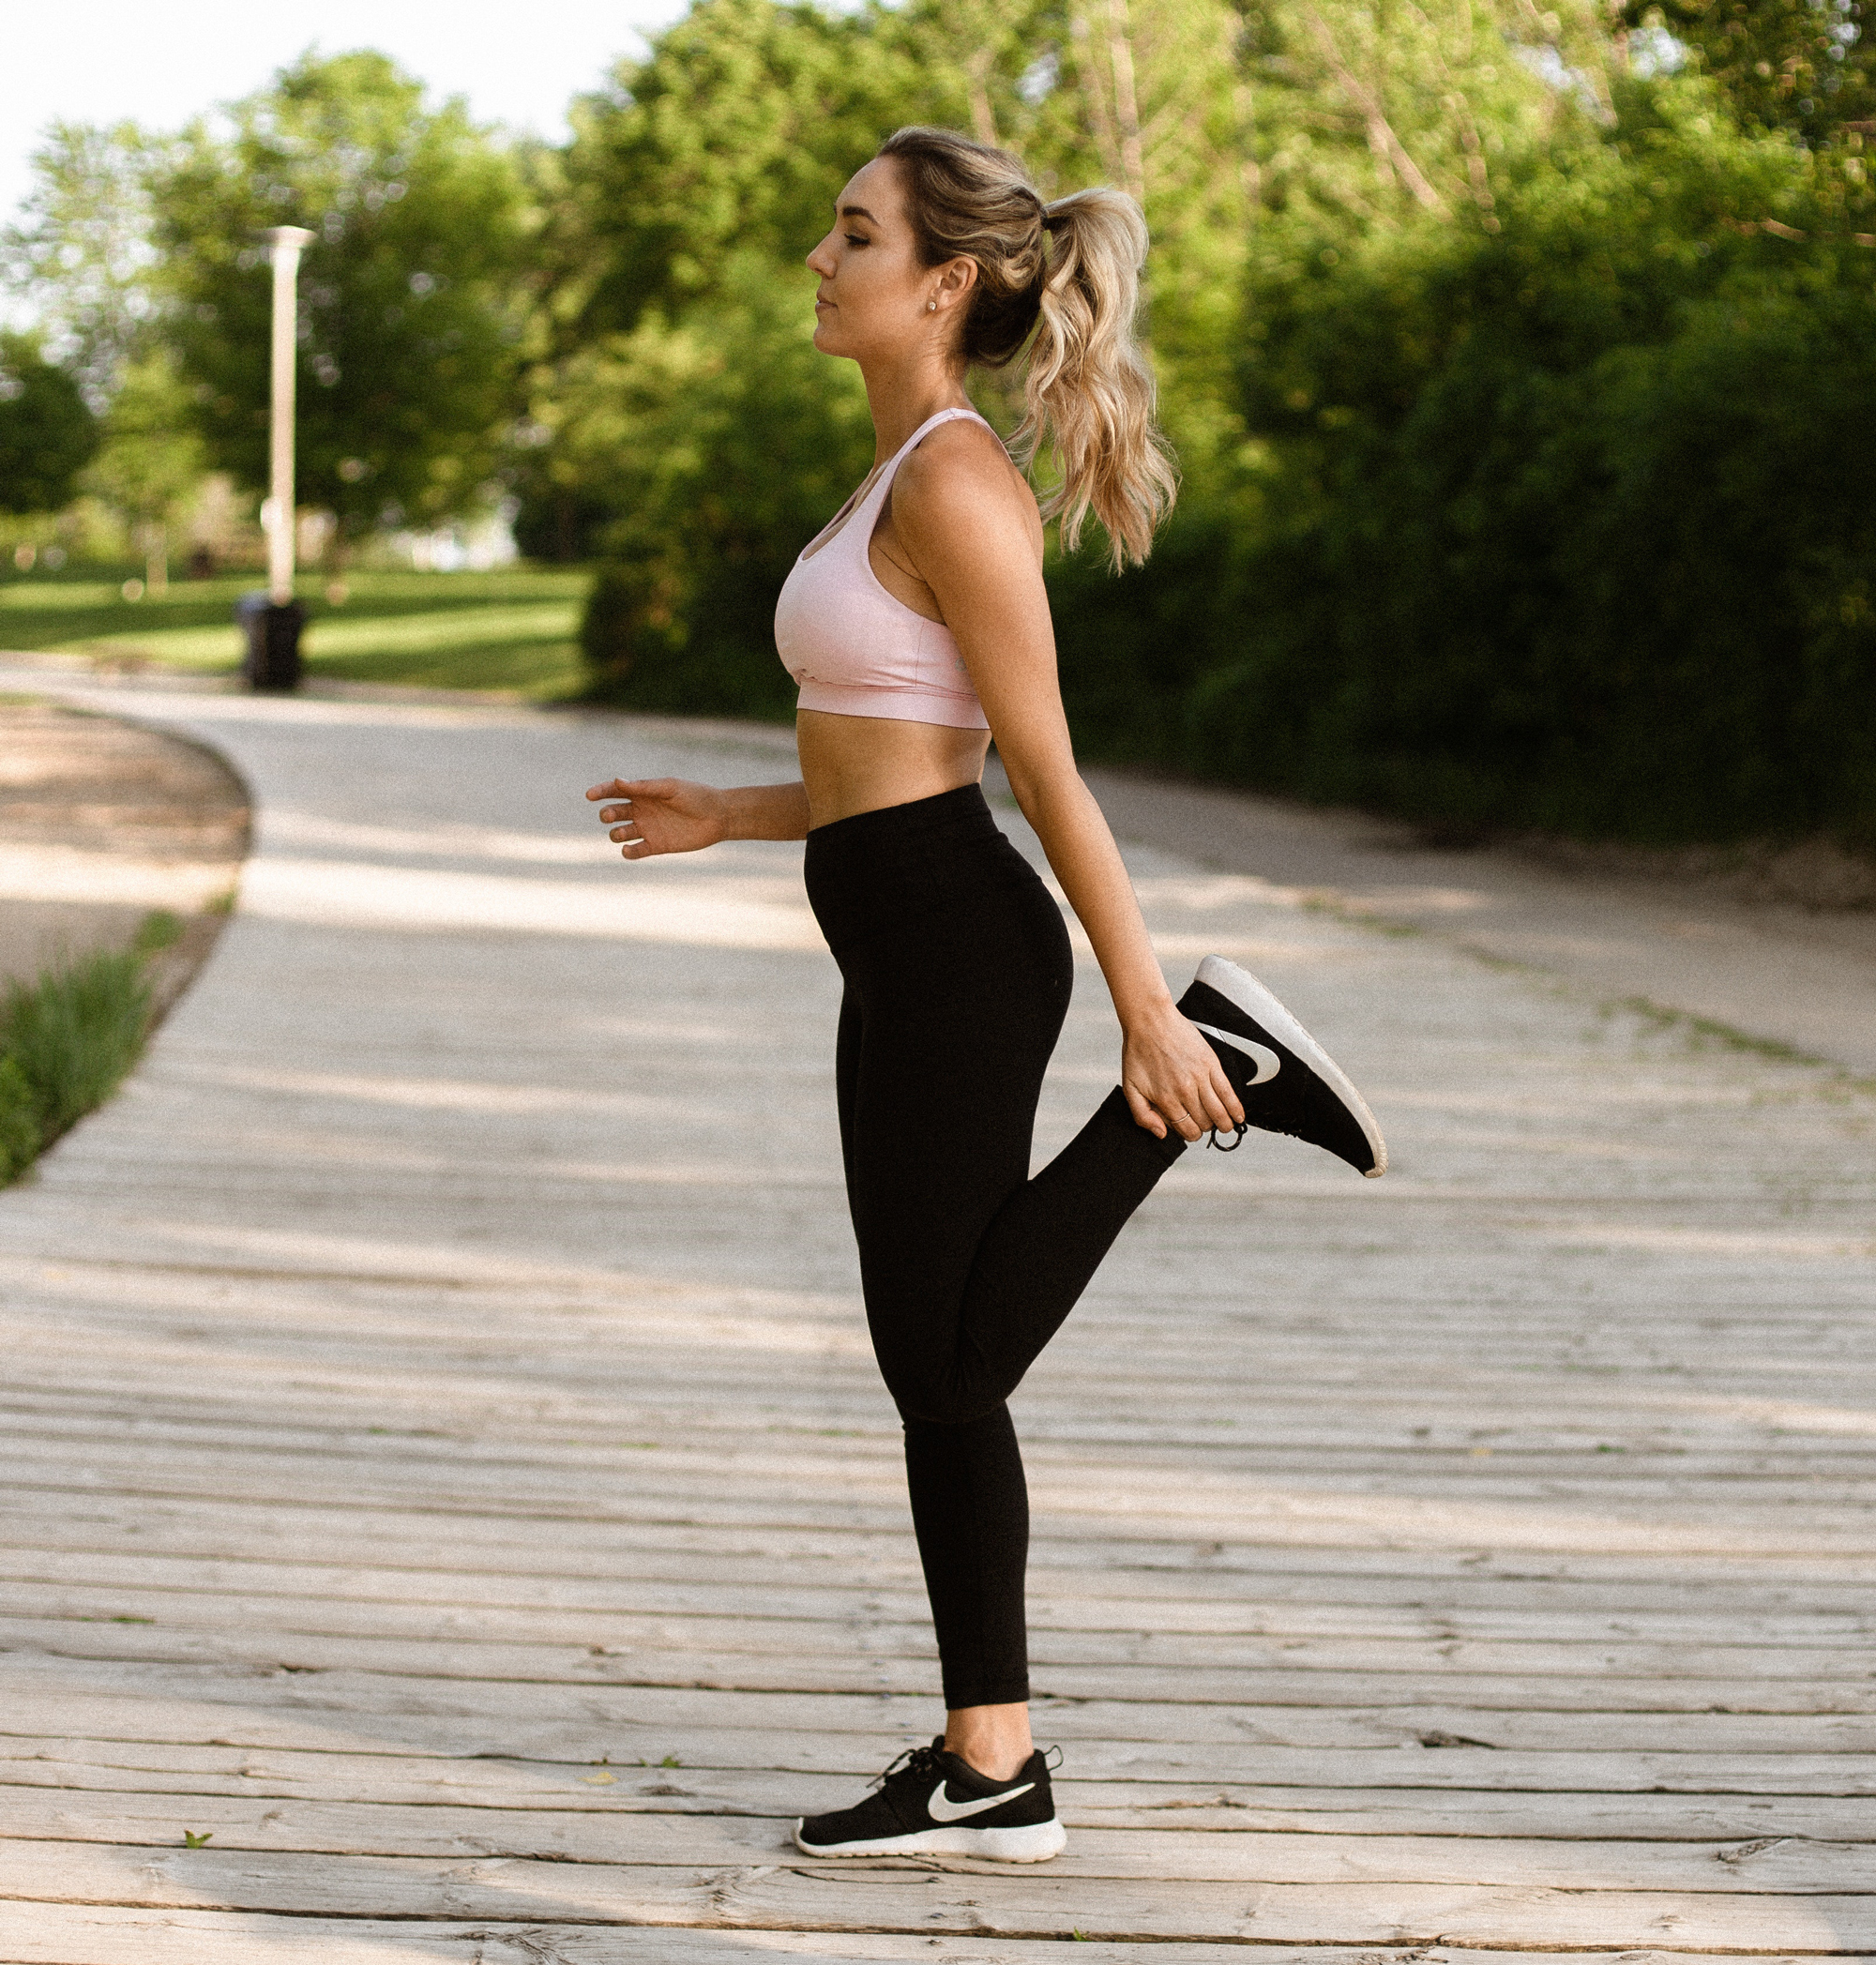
{"x":717,"y":154}
{"x":1806,"y":66}
{"x":151,"y":457}
{"x":731,"y":136}
{"x":80,"y":253}
{"x":47,"y":433}
{"x":412,"y":300}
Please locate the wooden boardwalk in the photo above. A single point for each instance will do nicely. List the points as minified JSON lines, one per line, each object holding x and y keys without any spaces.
{"x":452,"y":1515}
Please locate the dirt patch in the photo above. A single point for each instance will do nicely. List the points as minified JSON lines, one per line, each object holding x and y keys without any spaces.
{"x":102,"y":822}
{"x":1819,"y":875}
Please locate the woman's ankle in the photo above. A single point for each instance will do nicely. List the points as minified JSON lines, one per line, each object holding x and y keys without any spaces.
{"x":993,"y":1740}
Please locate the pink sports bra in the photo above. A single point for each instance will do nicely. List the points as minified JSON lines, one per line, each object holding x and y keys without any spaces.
{"x":856,"y":650}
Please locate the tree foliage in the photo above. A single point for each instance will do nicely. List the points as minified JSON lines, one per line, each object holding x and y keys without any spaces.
{"x":81,"y":251}
{"x":724,"y":441}
{"x":411,"y":302}
{"x":149,"y":459}
{"x":1805,"y":67}
{"x":47,"y":433}
{"x":1557,"y":525}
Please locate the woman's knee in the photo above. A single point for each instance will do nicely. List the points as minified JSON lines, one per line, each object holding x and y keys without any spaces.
{"x":937,"y":1398}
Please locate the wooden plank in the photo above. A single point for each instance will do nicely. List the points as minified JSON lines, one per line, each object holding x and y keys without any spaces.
{"x":583,"y":1658}
{"x":1768,"y":1863}
{"x":1208,"y":1429}
{"x":1188,"y":1507}
{"x":645,"y":1476}
{"x":1191,"y":1603}
{"x":856,"y":1754}
{"x":565,"y":1537}
{"x":824,"y":1738}
{"x":929,"y":1897}
{"x":1133,"y":1799}
{"x":47,"y":1934}
{"x":490,"y":1706}
{"x":1167,"y":1573}
{"x":41,"y":1614}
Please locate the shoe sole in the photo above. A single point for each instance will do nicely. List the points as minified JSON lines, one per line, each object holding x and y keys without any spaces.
{"x":1034,"y":1842}
{"x":1239,"y":986}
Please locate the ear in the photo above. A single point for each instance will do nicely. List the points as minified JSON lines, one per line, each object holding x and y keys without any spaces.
{"x":957,"y":278}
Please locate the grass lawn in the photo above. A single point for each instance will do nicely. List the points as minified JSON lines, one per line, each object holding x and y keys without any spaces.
{"x":511,"y":630}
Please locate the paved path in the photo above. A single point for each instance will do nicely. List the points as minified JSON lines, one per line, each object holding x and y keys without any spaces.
{"x":445,"y":1469}
{"x":1766,"y":968}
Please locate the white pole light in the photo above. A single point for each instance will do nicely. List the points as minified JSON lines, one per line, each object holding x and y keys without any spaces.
{"x":287,"y":242}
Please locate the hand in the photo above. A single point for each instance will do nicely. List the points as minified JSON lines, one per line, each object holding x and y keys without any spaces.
{"x":655,"y":815}
{"x":1172,"y":1077}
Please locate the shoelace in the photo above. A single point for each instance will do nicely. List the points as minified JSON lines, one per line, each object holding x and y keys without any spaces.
{"x":915,"y":1759}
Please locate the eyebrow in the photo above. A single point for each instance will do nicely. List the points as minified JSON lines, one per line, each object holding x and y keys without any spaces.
{"x":857,"y":211}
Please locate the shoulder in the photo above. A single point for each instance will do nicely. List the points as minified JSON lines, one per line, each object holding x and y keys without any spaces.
{"x":961,"y":475}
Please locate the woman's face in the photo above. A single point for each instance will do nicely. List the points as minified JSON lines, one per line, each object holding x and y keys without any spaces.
{"x":874,"y":296}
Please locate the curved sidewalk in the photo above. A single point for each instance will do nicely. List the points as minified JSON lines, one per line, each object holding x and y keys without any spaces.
{"x":453,"y":1514}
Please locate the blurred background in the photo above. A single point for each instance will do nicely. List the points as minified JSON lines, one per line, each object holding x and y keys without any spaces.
{"x":1520,"y":361}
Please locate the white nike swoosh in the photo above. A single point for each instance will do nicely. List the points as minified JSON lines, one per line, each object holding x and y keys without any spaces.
{"x":1268,"y":1063}
{"x":941,"y":1810}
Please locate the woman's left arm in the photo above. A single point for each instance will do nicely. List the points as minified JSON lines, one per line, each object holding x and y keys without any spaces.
{"x":970,"y":525}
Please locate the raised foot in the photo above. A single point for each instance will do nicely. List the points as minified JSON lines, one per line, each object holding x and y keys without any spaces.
{"x":1287,"y":1083}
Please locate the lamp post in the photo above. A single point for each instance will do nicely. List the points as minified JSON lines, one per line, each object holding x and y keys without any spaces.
{"x":273,"y":622}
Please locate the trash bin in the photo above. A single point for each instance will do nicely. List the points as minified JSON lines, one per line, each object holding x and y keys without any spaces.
{"x":272,"y":659}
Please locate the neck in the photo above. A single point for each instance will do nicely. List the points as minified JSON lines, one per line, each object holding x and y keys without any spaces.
{"x":905,"y":393}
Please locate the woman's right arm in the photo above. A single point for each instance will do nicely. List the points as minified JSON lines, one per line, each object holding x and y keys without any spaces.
{"x":654,"y":816}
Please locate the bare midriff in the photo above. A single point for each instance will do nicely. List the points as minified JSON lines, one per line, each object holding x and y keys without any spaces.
{"x":854,"y":765}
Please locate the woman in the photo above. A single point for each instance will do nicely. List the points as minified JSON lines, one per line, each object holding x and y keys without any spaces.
{"x":917,"y":626}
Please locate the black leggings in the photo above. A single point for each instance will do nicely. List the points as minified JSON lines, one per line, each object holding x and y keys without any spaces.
{"x":958,"y":972}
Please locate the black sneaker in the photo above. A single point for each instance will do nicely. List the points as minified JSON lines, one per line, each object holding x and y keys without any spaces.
{"x":931,"y":1802}
{"x":1287,"y":1083}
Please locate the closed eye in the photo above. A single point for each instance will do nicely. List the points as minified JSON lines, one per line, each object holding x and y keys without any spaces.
{"x":854,"y":238}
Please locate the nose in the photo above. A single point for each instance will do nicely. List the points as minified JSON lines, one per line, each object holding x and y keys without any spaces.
{"x":820,"y":261}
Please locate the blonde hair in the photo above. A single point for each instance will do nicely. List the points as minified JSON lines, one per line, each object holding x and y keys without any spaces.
{"x":1070,"y":272}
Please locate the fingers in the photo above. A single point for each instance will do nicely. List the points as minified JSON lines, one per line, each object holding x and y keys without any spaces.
{"x":631,"y":840}
{"x":1162,"y":1112}
{"x":1185,"y":1125}
{"x":1221,"y":1090}
{"x":629,"y":788}
{"x":1143,"y":1114}
{"x":1212,"y":1105}
{"x":1190,"y":1103}
{"x":1222,"y":1109}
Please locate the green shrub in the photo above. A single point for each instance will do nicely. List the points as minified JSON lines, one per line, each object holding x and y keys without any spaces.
{"x":19,"y":1136}
{"x":66,"y":1042}
{"x":724,"y":441}
{"x":1562,"y":527}
{"x":699,"y":641}
{"x":47,"y":434}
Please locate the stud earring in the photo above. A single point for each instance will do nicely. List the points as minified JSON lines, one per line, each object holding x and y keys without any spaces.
{"x":931,"y":307}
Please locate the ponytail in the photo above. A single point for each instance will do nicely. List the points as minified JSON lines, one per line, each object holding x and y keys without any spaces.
{"x":1088,"y":392}
{"x":1068,"y":274}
